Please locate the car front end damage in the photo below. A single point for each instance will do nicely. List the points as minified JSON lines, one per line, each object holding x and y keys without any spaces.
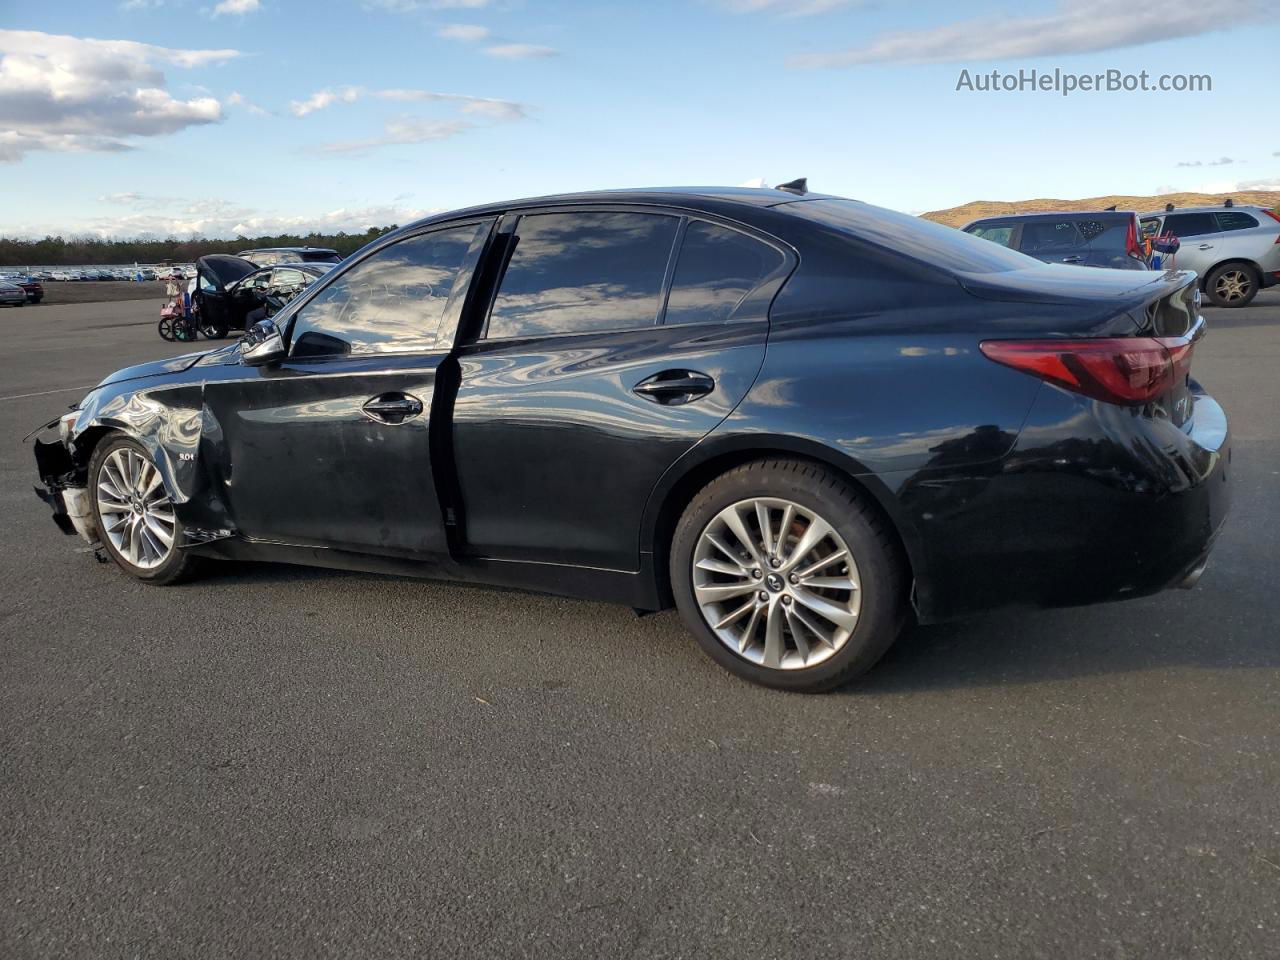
{"x":64,"y":488}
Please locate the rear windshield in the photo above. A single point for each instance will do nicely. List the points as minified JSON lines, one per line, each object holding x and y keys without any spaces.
{"x":920,"y":239}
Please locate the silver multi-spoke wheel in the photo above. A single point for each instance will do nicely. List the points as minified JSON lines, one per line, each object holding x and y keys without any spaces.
{"x":776,"y":583}
{"x":1232,"y":286}
{"x":136,"y":512}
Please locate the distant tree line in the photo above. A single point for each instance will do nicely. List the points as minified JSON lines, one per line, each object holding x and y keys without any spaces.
{"x":81,"y":251}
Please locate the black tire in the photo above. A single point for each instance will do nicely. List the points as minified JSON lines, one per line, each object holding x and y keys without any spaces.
{"x":178,"y":565}
{"x":881,"y":568}
{"x":214,"y":333}
{"x":1232,"y":285}
{"x":165,"y":329}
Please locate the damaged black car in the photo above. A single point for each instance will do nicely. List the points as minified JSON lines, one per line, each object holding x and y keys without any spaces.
{"x":232,"y":293}
{"x":800,"y":419}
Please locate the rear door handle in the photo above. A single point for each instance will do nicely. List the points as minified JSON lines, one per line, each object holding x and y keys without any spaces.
{"x":674,"y":387}
{"x":1206,"y":246}
{"x":392,"y":407}
{"x":1074,"y":258}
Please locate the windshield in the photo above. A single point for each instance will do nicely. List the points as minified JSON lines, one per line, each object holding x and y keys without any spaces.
{"x":915,"y":237}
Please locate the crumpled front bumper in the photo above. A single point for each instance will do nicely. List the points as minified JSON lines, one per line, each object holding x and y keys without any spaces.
{"x":62,"y":491}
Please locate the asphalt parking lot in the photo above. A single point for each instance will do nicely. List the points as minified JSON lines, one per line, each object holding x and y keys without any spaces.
{"x":301,"y":763}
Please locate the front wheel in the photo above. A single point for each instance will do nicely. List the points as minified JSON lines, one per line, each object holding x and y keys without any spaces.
{"x":787,"y":576}
{"x":133,"y":513}
{"x":1232,"y":285}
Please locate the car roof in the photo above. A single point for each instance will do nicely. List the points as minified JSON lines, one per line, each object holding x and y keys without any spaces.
{"x":1053,"y":215}
{"x":709,"y":199}
{"x":1246,"y":207}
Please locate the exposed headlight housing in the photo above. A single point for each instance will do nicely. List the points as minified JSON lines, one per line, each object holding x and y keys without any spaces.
{"x":67,"y":425}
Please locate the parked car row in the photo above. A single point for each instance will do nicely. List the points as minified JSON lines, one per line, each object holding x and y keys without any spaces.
{"x":1235,"y":251}
{"x":12,"y":295}
{"x":31,"y":288}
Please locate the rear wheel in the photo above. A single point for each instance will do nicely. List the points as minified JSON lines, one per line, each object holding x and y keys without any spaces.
{"x":787,"y":577}
{"x":133,"y":513}
{"x":165,"y":329}
{"x":1232,"y":285}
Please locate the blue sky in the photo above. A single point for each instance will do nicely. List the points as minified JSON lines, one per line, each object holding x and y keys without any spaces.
{"x":255,"y":115}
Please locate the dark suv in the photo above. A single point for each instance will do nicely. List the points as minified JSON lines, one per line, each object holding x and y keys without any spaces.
{"x":1103,"y":239}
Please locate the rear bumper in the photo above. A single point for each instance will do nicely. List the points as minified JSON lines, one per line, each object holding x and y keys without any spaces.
{"x":1074,"y":516}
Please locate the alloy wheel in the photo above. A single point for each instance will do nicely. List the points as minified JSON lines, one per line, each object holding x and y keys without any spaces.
{"x":137,"y":514}
{"x":776,"y":583}
{"x":1233,"y":285}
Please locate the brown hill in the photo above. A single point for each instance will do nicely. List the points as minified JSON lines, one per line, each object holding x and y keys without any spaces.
{"x":959,"y":216}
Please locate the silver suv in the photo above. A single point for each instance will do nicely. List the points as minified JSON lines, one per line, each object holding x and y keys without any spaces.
{"x":1235,"y":250}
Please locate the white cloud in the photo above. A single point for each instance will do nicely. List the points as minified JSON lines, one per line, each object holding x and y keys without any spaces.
{"x":1075,"y":26}
{"x":404,"y":130}
{"x":63,"y":93}
{"x":236,"y":7}
{"x":788,"y":8}
{"x":1223,"y":162}
{"x":410,"y":6}
{"x":488,"y":107}
{"x":237,"y":99}
{"x":322,"y":99}
{"x":161,"y":216}
{"x":520,"y":51}
{"x":469,"y":32}
{"x":1234,"y":186}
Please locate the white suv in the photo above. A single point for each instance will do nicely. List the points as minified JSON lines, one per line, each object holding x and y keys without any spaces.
{"x":1235,"y":250}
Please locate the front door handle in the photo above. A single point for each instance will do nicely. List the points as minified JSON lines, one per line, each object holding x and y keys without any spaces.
{"x":674,"y":387}
{"x":1075,"y":258}
{"x":392,"y":408}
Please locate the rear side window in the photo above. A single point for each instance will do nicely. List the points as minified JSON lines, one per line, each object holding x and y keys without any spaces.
{"x":717,"y":268}
{"x":1001,"y":233}
{"x":1049,"y":236}
{"x":391,"y":302}
{"x":1235,"y":220}
{"x":580,"y":272}
{"x":1189,"y":224}
{"x":1109,"y":234}
{"x":921,"y":240}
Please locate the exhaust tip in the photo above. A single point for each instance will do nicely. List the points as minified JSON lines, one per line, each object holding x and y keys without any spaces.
{"x":1193,"y":576}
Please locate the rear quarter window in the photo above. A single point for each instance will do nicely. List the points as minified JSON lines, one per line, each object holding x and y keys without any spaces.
{"x":914,"y":237}
{"x":717,"y":268}
{"x":1236,"y":220}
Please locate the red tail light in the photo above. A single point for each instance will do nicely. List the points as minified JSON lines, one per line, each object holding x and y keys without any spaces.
{"x":1131,"y":246}
{"x":1274,"y":216}
{"x":1130,"y":371}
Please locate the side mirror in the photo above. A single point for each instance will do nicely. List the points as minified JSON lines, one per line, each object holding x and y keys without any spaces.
{"x":262,"y":344}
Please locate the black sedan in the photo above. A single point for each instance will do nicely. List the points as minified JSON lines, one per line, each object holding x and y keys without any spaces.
{"x":800,"y":419}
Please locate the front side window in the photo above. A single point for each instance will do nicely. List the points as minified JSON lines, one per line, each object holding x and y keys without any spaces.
{"x":1189,"y":224}
{"x":716,"y":270}
{"x":391,"y":302}
{"x":579,"y":272}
